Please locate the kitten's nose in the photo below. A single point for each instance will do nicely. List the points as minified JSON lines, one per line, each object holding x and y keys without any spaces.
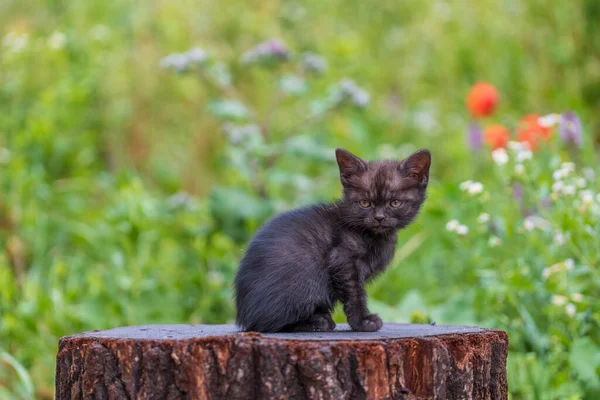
{"x":379,"y":218}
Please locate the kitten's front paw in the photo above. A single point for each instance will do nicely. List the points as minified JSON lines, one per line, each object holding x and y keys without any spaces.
{"x":371,"y":323}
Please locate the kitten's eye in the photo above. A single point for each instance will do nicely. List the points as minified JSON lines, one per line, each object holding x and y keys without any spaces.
{"x":395,"y":203}
{"x":365,"y":203}
{"x":413,"y":175}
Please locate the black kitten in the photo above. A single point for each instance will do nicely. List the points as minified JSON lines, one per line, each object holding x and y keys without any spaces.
{"x":303,"y":261}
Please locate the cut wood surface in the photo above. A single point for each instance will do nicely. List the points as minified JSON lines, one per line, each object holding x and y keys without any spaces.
{"x":401,"y":361}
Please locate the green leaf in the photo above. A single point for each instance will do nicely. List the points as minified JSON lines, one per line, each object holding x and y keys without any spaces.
{"x":387,"y":313}
{"x":359,"y":130}
{"x":584,"y":358}
{"x":456,"y":310}
{"x":531,"y":330}
{"x":307,"y":147}
{"x":412,"y":301}
{"x":236,"y":203}
{"x":26,"y":382}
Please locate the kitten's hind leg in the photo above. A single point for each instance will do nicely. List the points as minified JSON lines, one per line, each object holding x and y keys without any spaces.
{"x":320,"y":321}
{"x":325,"y":317}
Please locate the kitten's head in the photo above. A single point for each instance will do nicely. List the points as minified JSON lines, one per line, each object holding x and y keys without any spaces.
{"x":382,"y":196}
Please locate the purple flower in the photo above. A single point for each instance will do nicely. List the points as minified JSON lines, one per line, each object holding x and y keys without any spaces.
{"x":276,"y":48}
{"x":177,"y":61}
{"x":313,"y":63}
{"x":197,"y":55}
{"x":271,"y":50}
{"x":475,"y":136}
{"x":518,"y":192}
{"x":545,"y":202}
{"x":570,"y":130}
{"x":347,"y":91}
{"x":180,"y":62}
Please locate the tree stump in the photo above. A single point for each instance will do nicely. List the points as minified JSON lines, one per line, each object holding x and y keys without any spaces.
{"x":400,"y":361}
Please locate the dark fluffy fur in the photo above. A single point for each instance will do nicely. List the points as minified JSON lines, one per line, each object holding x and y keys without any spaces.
{"x":303,"y":261}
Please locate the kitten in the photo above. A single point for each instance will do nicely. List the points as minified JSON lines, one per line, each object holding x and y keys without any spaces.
{"x":304,"y":261}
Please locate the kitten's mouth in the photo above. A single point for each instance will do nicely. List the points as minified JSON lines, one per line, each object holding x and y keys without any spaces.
{"x":381,"y":228}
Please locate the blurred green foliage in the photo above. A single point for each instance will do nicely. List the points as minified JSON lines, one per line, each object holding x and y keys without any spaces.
{"x":128,"y":192}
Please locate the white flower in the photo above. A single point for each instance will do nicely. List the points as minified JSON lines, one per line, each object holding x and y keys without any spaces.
{"x":570,"y":309}
{"x":529,"y":224}
{"x":569,"y":190}
{"x":455,"y":226}
{"x":569,"y":264}
{"x":4,"y":155}
{"x":519,"y":169}
{"x":589,"y":174}
{"x":15,"y":41}
{"x":99,"y":32}
{"x":517,"y":146}
{"x":566,"y":265}
{"x":577,"y":297}
{"x":8,"y":39}
{"x":559,"y":300}
{"x":568,"y":166}
{"x":475,"y":188}
{"x":215,"y":277}
{"x":523,"y":155}
{"x":589,"y":230}
{"x":57,"y":40}
{"x":471,"y":187}
{"x":483,"y":218}
{"x":500,"y":156}
{"x":548,"y":121}
{"x":21,"y":42}
{"x":558,"y":186}
{"x":465,"y":185}
{"x":547,"y":272}
{"x":494,"y":241}
{"x":452,"y":225}
{"x":533,"y":221}
{"x":580,"y":182}
{"x":560,"y":174}
{"x":587,"y":196}
{"x":559,"y":239}
{"x":462,"y":230}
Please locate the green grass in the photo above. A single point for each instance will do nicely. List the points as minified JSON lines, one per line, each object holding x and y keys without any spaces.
{"x":98,"y":143}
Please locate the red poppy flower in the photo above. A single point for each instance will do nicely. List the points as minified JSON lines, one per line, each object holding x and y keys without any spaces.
{"x":497,"y":136}
{"x":531,"y":132}
{"x":482,"y":100}
{"x":532,"y":122}
{"x":528,"y":137}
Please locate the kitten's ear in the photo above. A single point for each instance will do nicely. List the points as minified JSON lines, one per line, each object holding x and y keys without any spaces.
{"x":417,"y":165}
{"x":349,"y":164}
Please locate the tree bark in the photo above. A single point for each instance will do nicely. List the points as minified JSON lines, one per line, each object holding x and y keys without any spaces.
{"x":219,"y":362}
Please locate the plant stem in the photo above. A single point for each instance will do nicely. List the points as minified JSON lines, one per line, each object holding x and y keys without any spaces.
{"x":265,"y":127}
{"x":314,"y":118}
{"x":227,"y":89}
